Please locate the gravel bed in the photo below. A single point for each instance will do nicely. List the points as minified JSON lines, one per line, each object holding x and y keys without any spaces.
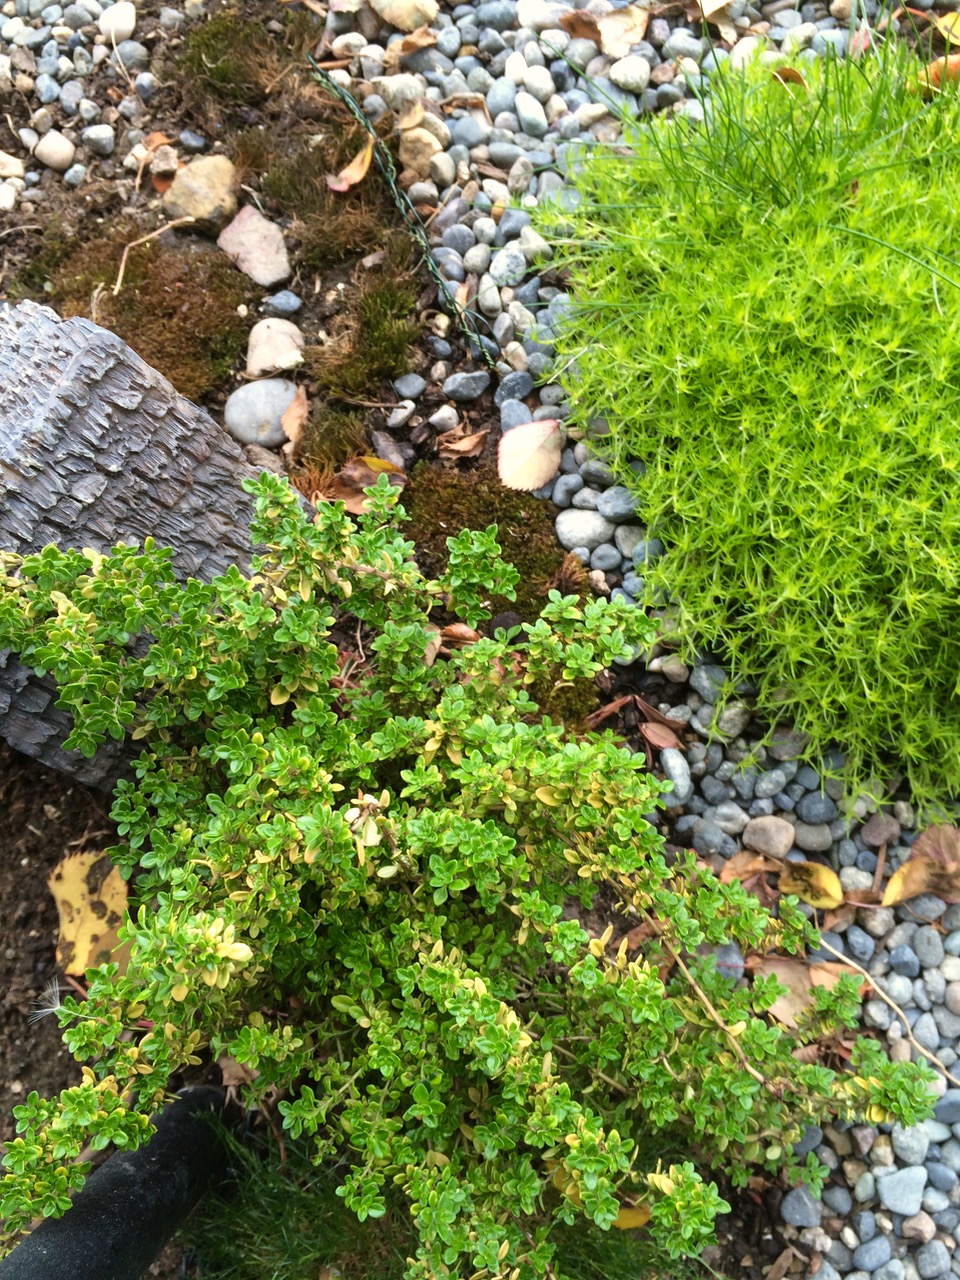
{"x":891,"y":1208}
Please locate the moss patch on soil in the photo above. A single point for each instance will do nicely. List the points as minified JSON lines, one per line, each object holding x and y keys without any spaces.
{"x":370,"y":337}
{"x":441,"y":502}
{"x":177,"y":308}
{"x":229,"y":60}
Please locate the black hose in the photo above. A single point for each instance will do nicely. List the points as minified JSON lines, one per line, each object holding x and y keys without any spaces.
{"x":129,"y":1208}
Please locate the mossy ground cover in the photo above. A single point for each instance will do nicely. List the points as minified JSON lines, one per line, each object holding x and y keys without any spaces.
{"x":769,"y":318}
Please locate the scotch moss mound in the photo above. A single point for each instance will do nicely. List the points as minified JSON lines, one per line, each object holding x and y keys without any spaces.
{"x":770,"y":320}
{"x":177,"y":307}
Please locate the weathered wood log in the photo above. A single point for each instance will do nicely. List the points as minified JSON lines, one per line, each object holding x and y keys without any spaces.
{"x":97,"y":448}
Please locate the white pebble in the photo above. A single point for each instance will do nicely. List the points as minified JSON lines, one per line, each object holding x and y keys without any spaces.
{"x":119,"y":21}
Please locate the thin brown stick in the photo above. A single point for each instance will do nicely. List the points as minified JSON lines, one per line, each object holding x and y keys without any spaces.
{"x":931,"y":1057}
{"x":27,"y":226}
{"x":614,"y":1084}
{"x":177,"y":222}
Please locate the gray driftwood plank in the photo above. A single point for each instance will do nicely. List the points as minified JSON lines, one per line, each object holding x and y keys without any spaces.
{"x":97,"y":448}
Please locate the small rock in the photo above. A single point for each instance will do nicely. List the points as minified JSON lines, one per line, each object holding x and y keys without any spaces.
{"x":919,"y":1227}
{"x":902,"y":1192}
{"x":99,"y":138}
{"x":770,"y":835}
{"x":677,"y":771}
{"x":467,"y":386}
{"x":933,"y":1260}
{"x":618,"y":504}
{"x":252,"y":413}
{"x":881,"y":828}
{"x":10,"y":166}
{"x":816,"y":808}
{"x":786,"y":744}
{"x":947,"y":1108}
{"x":631,"y":73}
{"x":732,"y":720}
{"x":119,"y":21}
{"x":253,"y":242}
{"x":55,"y":151}
{"x":800,"y":1209}
{"x":284,"y":303}
{"x":909,"y":1144}
{"x":708,"y":680}
{"x":401,"y":415}
{"x":273,"y":346}
{"x":813,"y":837}
{"x":205,"y":190}
{"x":417,"y":148}
{"x":579,"y":528}
{"x":410,"y":386}
{"x":873,"y":1254}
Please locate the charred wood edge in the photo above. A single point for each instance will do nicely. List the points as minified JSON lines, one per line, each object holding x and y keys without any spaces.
{"x":131,"y":1206}
{"x":97,"y":448}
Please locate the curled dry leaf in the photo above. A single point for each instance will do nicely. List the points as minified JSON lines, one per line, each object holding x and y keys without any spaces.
{"x":235,"y":1073}
{"x":348,"y":484}
{"x":433,"y":645}
{"x":933,"y":867}
{"x":529,"y":456}
{"x":294,"y":416}
{"x":456,"y":443}
{"x":91,"y":900}
{"x":421,"y":38}
{"x":812,"y":883}
{"x":799,"y":978}
{"x":622,"y":29}
{"x":406,"y":15}
{"x":355,"y":171}
{"x":933,"y":77}
{"x":580,"y":24}
{"x":789,"y":75}
{"x":459,"y":634}
{"x":744,"y":865}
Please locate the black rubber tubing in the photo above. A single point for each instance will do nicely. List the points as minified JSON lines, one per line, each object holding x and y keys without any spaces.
{"x":130,"y":1206}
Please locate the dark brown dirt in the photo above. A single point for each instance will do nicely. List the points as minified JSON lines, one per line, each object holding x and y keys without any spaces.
{"x":46,"y":816}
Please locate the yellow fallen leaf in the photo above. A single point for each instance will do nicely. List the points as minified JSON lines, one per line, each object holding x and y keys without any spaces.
{"x":91,"y":902}
{"x":355,"y":171}
{"x":634,"y":1216}
{"x":812,"y":883}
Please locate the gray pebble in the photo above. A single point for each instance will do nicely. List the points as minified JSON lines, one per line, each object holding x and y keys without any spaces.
{"x":933,"y":1260}
{"x":813,"y":837}
{"x":838,"y":1199}
{"x":904,"y":960}
{"x":902,"y":1192}
{"x":910,"y":1145}
{"x":410,"y":386}
{"x":466,"y":386}
{"x":873,"y":1254}
{"x":586,"y":499}
{"x":605,"y":557}
{"x":578,"y":528}
{"x":816,"y":807}
{"x":565,"y":488}
{"x":800,"y":1208}
{"x":252,"y":413}
{"x":928,"y":947}
{"x":618,"y":504}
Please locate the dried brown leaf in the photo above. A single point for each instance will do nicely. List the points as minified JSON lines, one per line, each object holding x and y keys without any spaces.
{"x":799,"y":978}
{"x":457,"y":444}
{"x":581,"y":25}
{"x":745,"y":864}
{"x":294,"y":416}
{"x":622,"y":29}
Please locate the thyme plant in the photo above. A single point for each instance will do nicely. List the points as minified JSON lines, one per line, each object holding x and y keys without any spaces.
{"x":768,"y":316}
{"x":360,"y":865}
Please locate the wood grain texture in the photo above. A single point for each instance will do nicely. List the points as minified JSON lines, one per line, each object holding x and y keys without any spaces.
{"x":97,"y":448}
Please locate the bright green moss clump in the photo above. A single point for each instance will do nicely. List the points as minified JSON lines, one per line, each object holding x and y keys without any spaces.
{"x":770,"y":319}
